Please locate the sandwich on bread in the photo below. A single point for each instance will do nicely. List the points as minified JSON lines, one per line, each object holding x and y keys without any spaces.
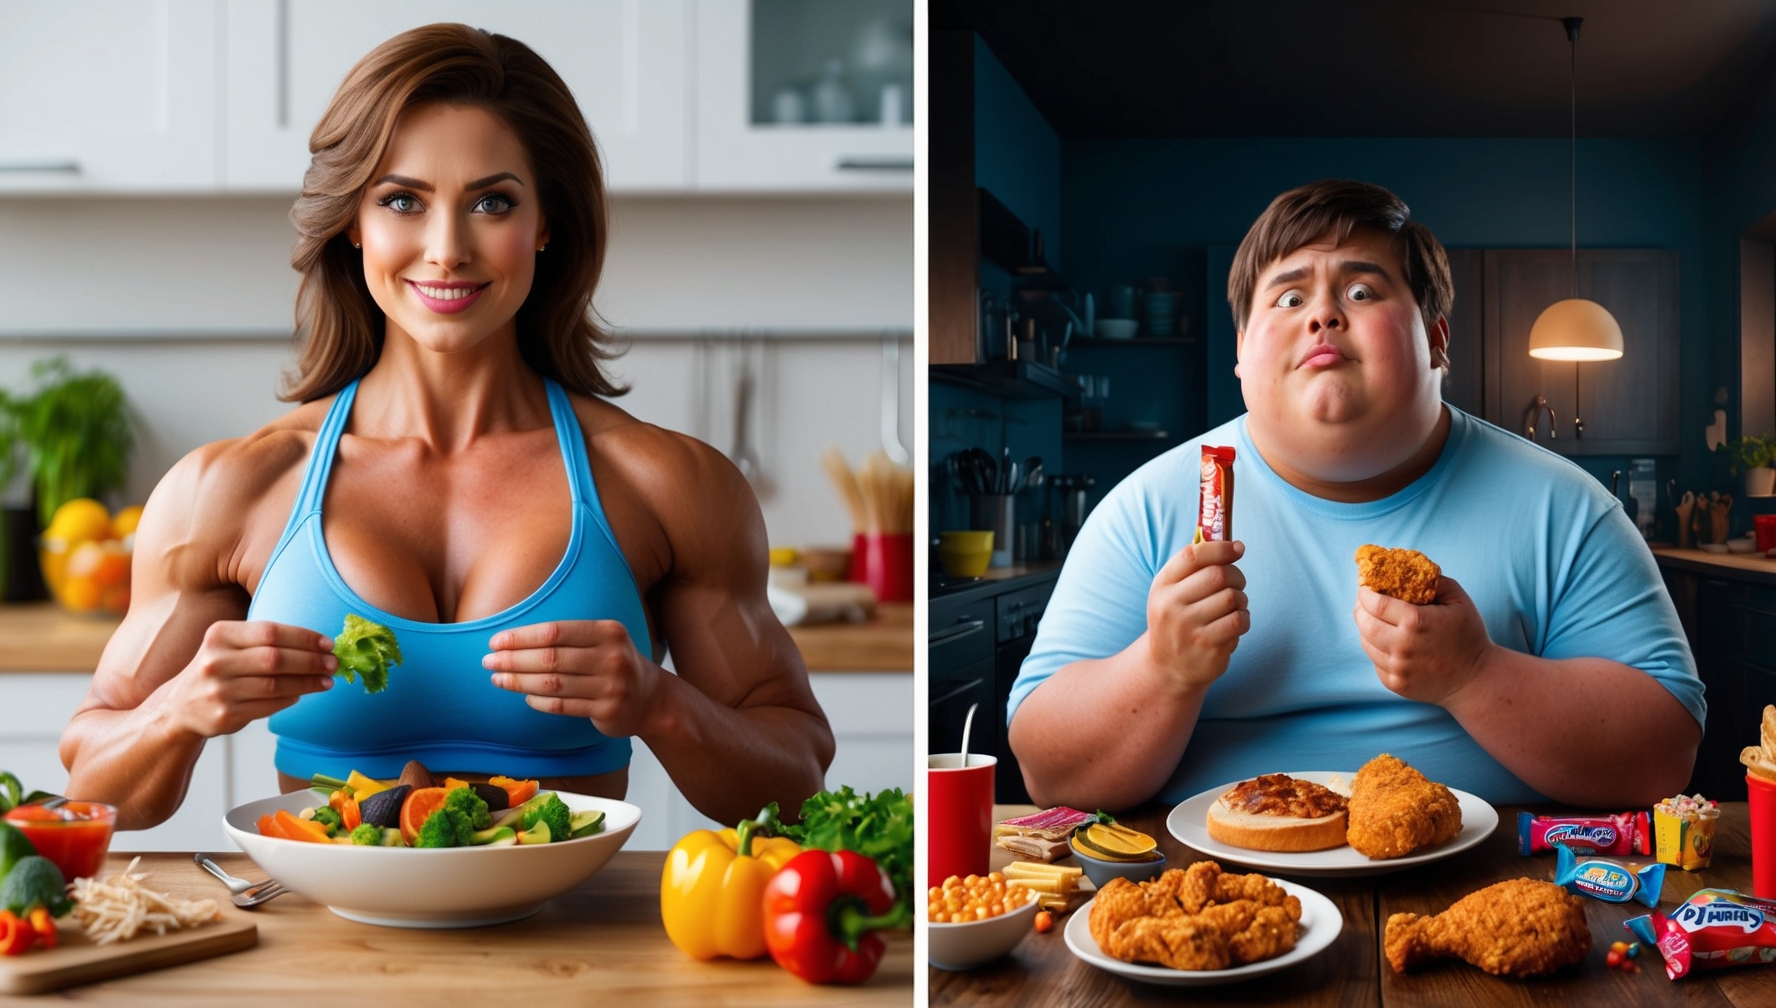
{"x":1043,"y":836}
{"x":1277,"y":812}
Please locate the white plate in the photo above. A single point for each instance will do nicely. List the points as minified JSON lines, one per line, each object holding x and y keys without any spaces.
{"x":1320,"y":924}
{"x":1188,"y":822}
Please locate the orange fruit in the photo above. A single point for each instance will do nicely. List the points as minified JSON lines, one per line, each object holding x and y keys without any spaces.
{"x":80,"y":594}
{"x":84,"y":560}
{"x":79,"y":520}
{"x":419,"y":807}
{"x":126,"y":520}
{"x":113,"y":567}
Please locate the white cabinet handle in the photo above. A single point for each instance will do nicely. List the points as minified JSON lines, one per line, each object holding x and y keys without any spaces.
{"x":66,"y":167}
{"x":875,"y":164}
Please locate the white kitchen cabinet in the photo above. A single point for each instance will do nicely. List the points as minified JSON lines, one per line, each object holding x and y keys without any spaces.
{"x":871,"y":716}
{"x":625,"y":61}
{"x":108,"y":96}
{"x":739,"y":145}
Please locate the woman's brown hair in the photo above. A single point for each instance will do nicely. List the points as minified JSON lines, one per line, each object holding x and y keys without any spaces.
{"x":339,"y":325}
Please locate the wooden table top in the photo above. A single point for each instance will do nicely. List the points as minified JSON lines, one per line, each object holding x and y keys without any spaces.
{"x":41,"y":637}
{"x":1041,"y":971}
{"x":602,"y":943}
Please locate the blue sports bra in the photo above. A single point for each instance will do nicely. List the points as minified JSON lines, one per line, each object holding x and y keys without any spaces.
{"x":440,"y":706}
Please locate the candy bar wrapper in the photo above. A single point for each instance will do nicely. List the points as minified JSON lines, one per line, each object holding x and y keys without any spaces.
{"x":1606,"y":880}
{"x":1686,"y":843}
{"x":1713,"y":929}
{"x":1215,"y":512}
{"x":1620,"y":835}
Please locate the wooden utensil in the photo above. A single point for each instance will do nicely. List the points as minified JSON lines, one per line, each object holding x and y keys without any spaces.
{"x":1722,"y":504}
{"x":1683,"y":508}
{"x":78,"y":961}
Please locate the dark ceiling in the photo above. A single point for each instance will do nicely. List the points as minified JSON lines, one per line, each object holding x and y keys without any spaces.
{"x":1447,"y":68}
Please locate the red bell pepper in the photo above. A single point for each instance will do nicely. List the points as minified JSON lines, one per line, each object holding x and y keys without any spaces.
{"x":824,"y":912}
{"x":44,"y":925}
{"x":16,"y":934}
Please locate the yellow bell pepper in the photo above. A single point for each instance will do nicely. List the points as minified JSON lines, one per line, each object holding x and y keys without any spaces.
{"x":712,"y":890}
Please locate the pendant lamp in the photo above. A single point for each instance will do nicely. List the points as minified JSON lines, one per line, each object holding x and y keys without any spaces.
{"x":1575,"y":329}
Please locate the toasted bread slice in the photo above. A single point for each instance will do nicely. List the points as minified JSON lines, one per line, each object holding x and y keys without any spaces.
{"x":1269,"y":832}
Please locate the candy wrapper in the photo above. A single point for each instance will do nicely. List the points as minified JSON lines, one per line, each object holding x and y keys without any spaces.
{"x":1618,"y":835}
{"x":1684,"y":828}
{"x":1713,"y":929}
{"x":1606,"y":880}
{"x":1214,"y":521}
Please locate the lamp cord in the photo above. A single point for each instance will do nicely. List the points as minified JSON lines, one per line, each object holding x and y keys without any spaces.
{"x":1572,"y":37}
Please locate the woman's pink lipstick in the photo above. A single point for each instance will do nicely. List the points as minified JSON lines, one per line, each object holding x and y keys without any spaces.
{"x":452,"y":305}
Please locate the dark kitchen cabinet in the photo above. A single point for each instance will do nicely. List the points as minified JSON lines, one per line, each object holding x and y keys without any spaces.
{"x":1629,"y":405}
{"x":1464,"y":387}
{"x":1731,"y":624}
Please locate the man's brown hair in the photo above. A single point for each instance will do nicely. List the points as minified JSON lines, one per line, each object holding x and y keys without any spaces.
{"x":1338,"y":207}
{"x":338,"y":322}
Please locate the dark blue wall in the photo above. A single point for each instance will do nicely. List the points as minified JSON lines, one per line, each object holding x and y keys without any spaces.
{"x":1133,"y":208}
{"x":1017,"y":156}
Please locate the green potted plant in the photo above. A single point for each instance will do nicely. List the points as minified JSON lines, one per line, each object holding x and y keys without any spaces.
{"x":1752,"y":455}
{"x":72,"y":433}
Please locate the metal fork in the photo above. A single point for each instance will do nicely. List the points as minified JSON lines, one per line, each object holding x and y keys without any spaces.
{"x":247,"y":895}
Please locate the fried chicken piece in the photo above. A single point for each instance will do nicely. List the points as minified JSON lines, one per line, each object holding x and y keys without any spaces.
{"x":1518,"y":928}
{"x":1394,"y":810}
{"x":1197,"y":918}
{"x":1405,"y":574}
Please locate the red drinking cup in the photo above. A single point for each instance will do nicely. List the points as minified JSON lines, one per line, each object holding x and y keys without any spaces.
{"x":1761,"y":799}
{"x":1765,"y":527}
{"x":884,"y":561}
{"x":959,"y":804}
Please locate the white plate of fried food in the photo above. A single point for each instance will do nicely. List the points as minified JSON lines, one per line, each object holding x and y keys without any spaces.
{"x":1230,"y":931}
{"x":1188,"y":822}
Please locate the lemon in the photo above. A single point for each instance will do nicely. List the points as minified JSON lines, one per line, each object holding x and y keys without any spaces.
{"x":126,"y":520}
{"x":80,"y":520}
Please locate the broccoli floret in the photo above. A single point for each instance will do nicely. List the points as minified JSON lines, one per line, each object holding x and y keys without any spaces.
{"x":367,"y":835}
{"x":330,"y":818}
{"x":35,"y":881}
{"x":466,"y":801}
{"x":553,"y":811}
{"x":446,"y":827}
{"x":366,"y":649}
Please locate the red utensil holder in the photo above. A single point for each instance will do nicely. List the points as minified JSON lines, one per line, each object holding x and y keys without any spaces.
{"x":884,"y":561}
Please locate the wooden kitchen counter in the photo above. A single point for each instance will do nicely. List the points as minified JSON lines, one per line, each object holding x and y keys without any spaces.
{"x":1743,"y":566}
{"x":40,"y":637}
{"x":884,"y":644}
{"x":1042,"y":972}
{"x":602,"y":943}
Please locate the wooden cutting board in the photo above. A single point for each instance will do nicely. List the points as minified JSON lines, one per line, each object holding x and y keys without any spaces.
{"x":78,"y":961}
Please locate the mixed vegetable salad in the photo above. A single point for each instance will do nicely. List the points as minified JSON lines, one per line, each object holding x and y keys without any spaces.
{"x":416,"y":812}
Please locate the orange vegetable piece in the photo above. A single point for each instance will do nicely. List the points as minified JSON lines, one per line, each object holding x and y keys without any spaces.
{"x":301,"y":829}
{"x":418,"y":807}
{"x":1044,"y":921}
{"x":451,"y":783}
{"x":269,"y":827}
{"x":16,"y":935}
{"x":44,"y":925}
{"x":350,"y":813}
{"x":518,"y":791}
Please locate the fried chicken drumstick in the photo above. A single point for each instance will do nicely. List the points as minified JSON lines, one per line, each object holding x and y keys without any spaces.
{"x":1394,"y":810}
{"x":1518,"y":928}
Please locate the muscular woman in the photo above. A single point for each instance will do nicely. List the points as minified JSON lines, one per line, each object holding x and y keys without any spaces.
{"x":454,"y":473}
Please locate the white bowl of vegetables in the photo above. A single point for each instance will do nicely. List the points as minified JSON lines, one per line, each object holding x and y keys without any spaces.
{"x":504,"y":871}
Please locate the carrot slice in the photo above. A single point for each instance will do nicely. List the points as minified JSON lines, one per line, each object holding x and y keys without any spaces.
{"x":451,"y":783}
{"x":351,"y":814}
{"x":418,"y":807}
{"x":269,"y":827}
{"x":518,"y":791}
{"x":301,"y":829}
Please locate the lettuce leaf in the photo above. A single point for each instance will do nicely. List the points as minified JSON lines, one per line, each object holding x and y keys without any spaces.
{"x":366,"y":649}
{"x":879,"y":826}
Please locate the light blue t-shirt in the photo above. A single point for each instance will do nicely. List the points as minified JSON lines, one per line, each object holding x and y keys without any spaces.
{"x":1549,"y":557}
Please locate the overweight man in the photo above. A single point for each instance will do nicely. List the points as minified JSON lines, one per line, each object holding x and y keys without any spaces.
{"x":1550,"y":665}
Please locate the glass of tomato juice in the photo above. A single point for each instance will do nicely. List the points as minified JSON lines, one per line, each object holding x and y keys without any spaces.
{"x":75,"y":835}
